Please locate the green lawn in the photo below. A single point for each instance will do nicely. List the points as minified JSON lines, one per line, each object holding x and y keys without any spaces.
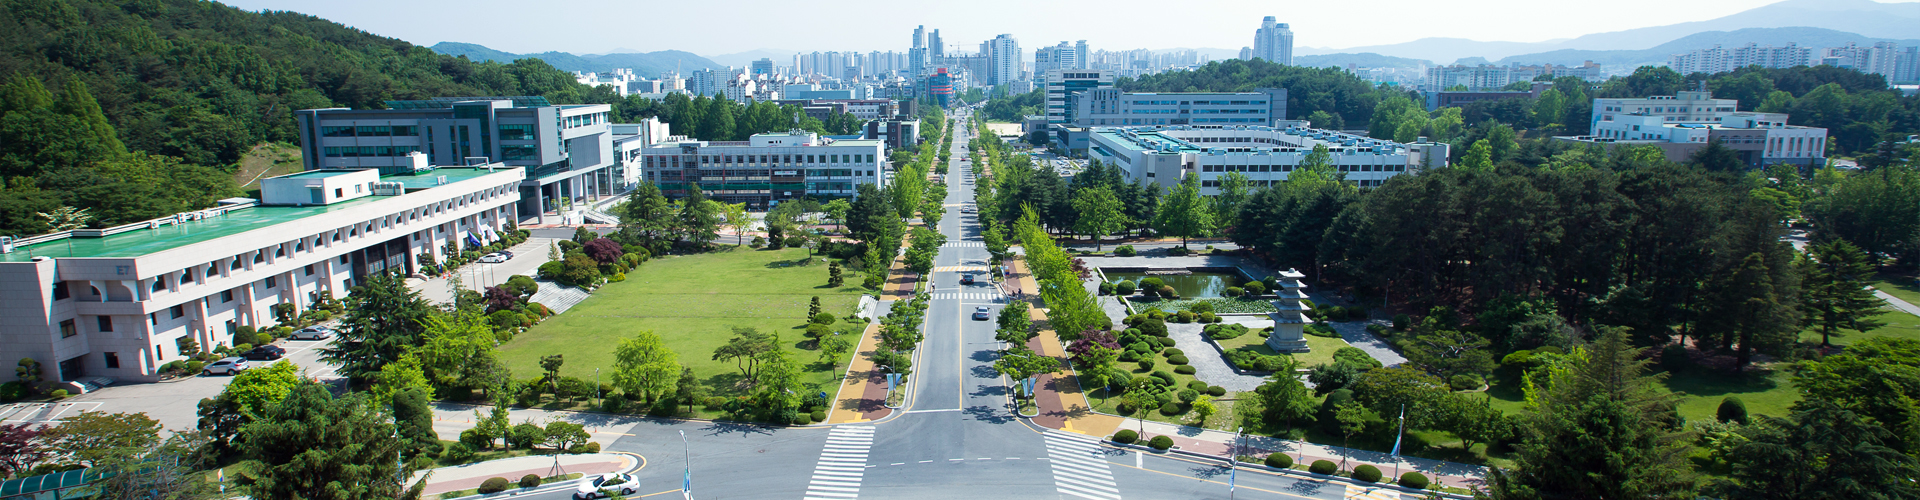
{"x":692,"y":302}
{"x":1766,"y":391}
{"x":1904,"y":287}
{"x":1321,"y":348}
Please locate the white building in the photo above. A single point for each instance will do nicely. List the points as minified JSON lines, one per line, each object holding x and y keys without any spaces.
{"x":122,"y":301}
{"x":1682,"y":107}
{"x":766,"y":169}
{"x":1686,"y":122}
{"x":1004,"y":59}
{"x":1266,"y":155}
{"x":1273,"y":42}
{"x":1062,"y":56}
{"x":1721,"y":60}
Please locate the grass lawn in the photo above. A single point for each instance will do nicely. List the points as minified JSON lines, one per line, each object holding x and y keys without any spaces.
{"x":1105,"y":404}
{"x":1766,"y":390}
{"x":692,"y":302}
{"x":1904,"y":287}
{"x":1321,"y":348}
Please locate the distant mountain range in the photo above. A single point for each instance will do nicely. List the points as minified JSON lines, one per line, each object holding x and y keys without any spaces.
{"x":746,"y":59}
{"x":1814,"y":38}
{"x":648,"y":64}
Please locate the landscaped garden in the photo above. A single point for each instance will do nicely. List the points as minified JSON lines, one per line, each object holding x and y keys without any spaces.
{"x":695,"y":303}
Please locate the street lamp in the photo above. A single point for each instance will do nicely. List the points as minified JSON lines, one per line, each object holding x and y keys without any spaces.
{"x":596,"y":387}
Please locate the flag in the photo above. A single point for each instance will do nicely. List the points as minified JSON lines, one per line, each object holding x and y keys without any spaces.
{"x":1403,"y":430}
{"x":1231,"y":473}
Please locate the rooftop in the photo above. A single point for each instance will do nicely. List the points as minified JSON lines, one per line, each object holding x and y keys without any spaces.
{"x":140,"y":242}
{"x":447,"y":102}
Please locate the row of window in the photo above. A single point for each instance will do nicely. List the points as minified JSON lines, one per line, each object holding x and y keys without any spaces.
{"x":1229,"y":111}
{"x":1200,"y":103}
{"x":1289,"y":168}
{"x":675,"y":160}
{"x":369,"y":151}
{"x":516,"y":132}
{"x":371,"y":131}
{"x":583,"y":120}
{"x":513,"y":153}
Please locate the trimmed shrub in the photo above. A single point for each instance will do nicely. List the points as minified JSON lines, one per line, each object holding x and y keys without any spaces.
{"x":1177,"y":359}
{"x":1255,"y":288}
{"x":1146,"y":364}
{"x":1188,"y":395}
{"x":1125,"y":251}
{"x":1279,"y":461}
{"x":1106,"y":288}
{"x":494,"y":485}
{"x":1216,"y":391}
{"x":1126,"y":436}
{"x":1161,"y":443}
{"x":1124,"y":288}
{"x":458,"y":453}
{"x":1366,"y":474}
{"x":1674,"y":358}
{"x":1165,"y":378}
{"x":824,"y":319}
{"x":524,"y":436}
{"x":1173,"y":351}
{"x":1185,"y":317}
{"x":529,"y":480}
{"x":1402,"y":321}
{"x":1202,"y":307}
{"x":475,"y":439}
{"x":590,"y":447}
{"x":818,"y":416}
{"x":1185,"y":370}
{"x":1323,"y":467}
{"x":1464,"y":382}
{"x":1732,"y":409}
{"x":1196,"y":385}
{"x":1209,"y":317}
{"x":1170,"y":409}
{"x":1234,"y":291}
{"x":1414,"y":480}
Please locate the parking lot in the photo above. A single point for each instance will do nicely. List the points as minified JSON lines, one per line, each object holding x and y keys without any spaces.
{"x":175,"y":402}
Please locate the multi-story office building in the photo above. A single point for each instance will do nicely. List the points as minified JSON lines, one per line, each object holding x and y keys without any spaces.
{"x":1110,"y":107}
{"x":1005,"y":60}
{"x":762,"y":68}
{"x":630,"y":140}
{"x":1064,"y":87}
{"x":566,"y":150}
{"x":767,"y":168}
{"x":896,"y":133}
{"x":122,"y":301}
{"x":1273,"y":42}
{"x":1682,"y":124}
{"x":1266,"y":155}
{"x":1062,"y":56}
{"x":1080,"y":50}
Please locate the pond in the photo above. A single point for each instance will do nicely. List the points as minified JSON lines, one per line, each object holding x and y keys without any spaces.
{"x":1190,"y":286}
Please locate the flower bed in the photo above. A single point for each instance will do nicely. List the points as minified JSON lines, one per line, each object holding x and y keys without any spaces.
{"x":1221,"y":305}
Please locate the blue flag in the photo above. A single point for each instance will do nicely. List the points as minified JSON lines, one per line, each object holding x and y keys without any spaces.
{"x":1403,"y":430}
{"x":1230,"y":475}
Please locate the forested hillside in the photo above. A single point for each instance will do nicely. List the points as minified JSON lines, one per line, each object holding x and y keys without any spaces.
{"x":1345,"y":100}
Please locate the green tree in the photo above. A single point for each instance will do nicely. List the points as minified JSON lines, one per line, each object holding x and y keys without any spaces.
{"x":1479,"y":156}
{"x":736,"y":217}
{"x":312,"y":445}
{"x":459,"y":351}
{"x":1233,"y":195}
{"x":644,"y":367}
{"x":1183,"y":212}
{"x":404,"y":374}
{"x":1836,"y":290}
{"x":1020,"y":363}
{"x":1354,"y":418}
{"x":551,"y":365}
{"x":1599,"y":427}
{"x":93,"y":437}
{"x":1283,"y":399}
{"x":1822,"y":451}
{"x":1099,"y":213}
{"x":1876,"y":377}
{"x":745,"y":349}
{"x":1015,"y":324}
{"x":384,"y":318}
{"x":838,"y":210}
{"x":258,"y":389}
{"x":413,"y":418}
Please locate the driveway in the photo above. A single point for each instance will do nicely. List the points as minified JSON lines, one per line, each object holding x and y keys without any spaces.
{"x":175,"y":403}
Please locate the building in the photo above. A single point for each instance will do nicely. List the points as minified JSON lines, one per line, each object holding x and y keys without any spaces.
{"x":767,"y":168}
{"x":865,"y":109}
{"x":1490,"y":77}
{"x":917,"y":56}
{"x":896,"y":133}
{"x":1110,"y":107}
{"x":940,"y":86}
{"x":1461,"y":98}
{"x":630,"y":140}
{"x":762,"y":68}
{"x":1062,"y":56}
{"x":1005,"y":60}
{"x":566,"y":150}
{"x":1064,"y":87}
{"x":1684,"y":123}
{"x":122,"y":301}
{"x":1273,"y":42}
{"x":1266,"y":155}
{"x":1721,"y":60}
{"x":622,"y":80}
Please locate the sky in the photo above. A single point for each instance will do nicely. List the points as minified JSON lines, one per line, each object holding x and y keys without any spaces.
{"x":587,"y":27}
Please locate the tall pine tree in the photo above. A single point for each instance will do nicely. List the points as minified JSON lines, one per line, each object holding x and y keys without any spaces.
{"x":1836,"y":290}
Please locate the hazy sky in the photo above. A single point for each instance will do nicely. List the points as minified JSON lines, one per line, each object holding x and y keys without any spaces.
{"x":713,"y":28}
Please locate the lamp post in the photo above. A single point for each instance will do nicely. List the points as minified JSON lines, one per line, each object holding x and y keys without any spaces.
{"x":596,"y":387}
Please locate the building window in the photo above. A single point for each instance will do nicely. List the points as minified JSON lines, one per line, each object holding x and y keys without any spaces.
{"x":259,"y":257}
{"x":159,"y":283}
{"x":106,"y":323}
{"x":279,"y":251}
{"x":113,"y":359}
{"x":271,"y":282}
{"x":67,"y":329}
{"x":177,"y":311}
{"x":226,"y":296}
{"x":60,"y":291}
{"x":309,"y":269}
{"x":343,"y":259}
{"x":236,"y":264}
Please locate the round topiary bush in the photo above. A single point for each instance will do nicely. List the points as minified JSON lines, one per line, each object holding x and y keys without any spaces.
{"x":1173,"y":351}
{"x":1366,"y":474}
{"x":1414,"y":480}
{"x":1188,"y":395}
{"x":1732,"y":409}
{"x":1234,"y":291}
{"x":1207,"y":317}
{"x":1216,"y":391}
{"x":1256,"y":288}
{"x":1126,"y":436}
{"x":1177,"y":359}
{"x":1323,"y":467}
{"x":1165,"y":378}
{"x":494,"y":485}
{"x":1146,"y":364}
{"x":818,"y":416}
{"x":1196,"y":385}
{"x":1464,"y":382}
{"x":1106,"y":289}
{"x":1185,"y":370}
{"x":529,"y":480}
{"x":1161,"y":443}
{"x":1170,"y":409}
{"x":1185,"y":317}
{"x":1279,"y":461}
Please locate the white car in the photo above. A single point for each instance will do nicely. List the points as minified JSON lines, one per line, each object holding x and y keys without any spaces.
{"x":315,"y":332}
{"x":492,"y":258}
{"x":226,"y":366}
{"x":625,"y":484}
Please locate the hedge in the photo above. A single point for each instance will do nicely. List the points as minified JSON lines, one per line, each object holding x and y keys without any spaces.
{"x":494,"y":485}
{"x":1279,"y":461}
{"x":1169,"y":409}
{"x":1216,"y":391}
{"x":529,"y":480}
{"x":1323,"y":467}
{"x":1366,"y":473}
{"x":1414,"y":480}
{"x":1161,"y":443}
{"x":1177,"y":359}
{"x":1185,"y":370}
{"x":1126,"y":436}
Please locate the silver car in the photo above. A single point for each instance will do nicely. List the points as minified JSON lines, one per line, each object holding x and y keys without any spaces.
{"x":226,"y":366}
{"x":312,"y":333}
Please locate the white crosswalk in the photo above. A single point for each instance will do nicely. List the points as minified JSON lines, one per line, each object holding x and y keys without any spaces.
{"x":1080,"y":469}
{"x":1357,"y":492}
{"x":987,"y":296}
{"x":960,"y":244}
{"x":842,"y":461}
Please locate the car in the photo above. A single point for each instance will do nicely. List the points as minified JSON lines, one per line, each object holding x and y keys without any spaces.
{"x":507,"y":253}
{"x":966,"y":279}
{"x":315,"y":332}
{"x":492,"y":258}
{"x":982,"y":313}
{"x":625,"y":484}
{"x":265,"y":353}
{"x":226,"y":366}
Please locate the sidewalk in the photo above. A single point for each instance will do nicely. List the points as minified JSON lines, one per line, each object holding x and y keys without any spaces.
{"x":469,"y":476}
{"x":1061,"y":403}
{"x":862,"y":397}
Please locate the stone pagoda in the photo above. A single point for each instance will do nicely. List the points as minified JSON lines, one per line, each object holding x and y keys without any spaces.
{"x":1290,"y":322}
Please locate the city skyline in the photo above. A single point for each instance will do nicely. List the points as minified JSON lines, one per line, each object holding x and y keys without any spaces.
{"x":1231,"y":24}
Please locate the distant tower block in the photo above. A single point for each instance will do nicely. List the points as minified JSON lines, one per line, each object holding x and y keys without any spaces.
{"x":1290,"y":323}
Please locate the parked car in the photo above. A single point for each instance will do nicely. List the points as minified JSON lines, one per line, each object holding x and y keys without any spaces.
{"x":226,"y":366}
{"x":625,"y":484}
{"x":265,"y":353}
{"x":492,"y":258}
{"x":312,"y":333}
{"x":507,"y":253}
{"x":982,"y":313}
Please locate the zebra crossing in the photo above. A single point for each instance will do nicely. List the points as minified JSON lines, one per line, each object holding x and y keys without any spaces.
{"x":960,"y":269}
{"x":837,"y":475}
{"x":987,"y":296}
{"x":1080,"y":468}
{"x":964,"y":244}
{"x":1357,"y":492}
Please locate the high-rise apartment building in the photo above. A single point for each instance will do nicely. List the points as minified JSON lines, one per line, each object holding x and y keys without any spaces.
{"x":917,"y":56}
{"x":1080,"y":49}
{"x":935,"y":47}
{"x":762,"y":67}
{"x":1005,"y":59}
{"x":1720,"y":60}
{"x":1273,"y":42}
{"x":1062,"y":56}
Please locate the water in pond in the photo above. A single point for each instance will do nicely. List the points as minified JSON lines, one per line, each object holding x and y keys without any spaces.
{"x":1189,"y":286}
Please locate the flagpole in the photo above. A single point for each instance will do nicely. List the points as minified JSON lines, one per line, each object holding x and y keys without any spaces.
{"x":1396,"y":440}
